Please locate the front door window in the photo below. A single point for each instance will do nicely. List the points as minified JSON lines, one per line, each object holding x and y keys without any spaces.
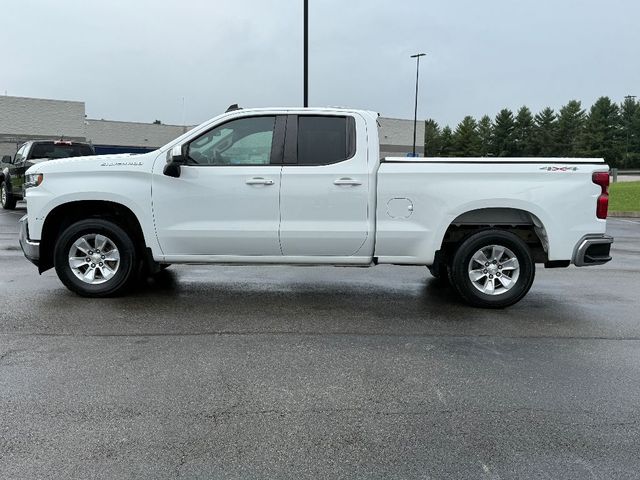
{"x":247,"y":141}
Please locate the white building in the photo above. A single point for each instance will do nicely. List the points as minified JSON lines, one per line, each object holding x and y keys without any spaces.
{"x":24,"y":119}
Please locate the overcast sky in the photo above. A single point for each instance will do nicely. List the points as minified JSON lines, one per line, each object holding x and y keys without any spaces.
{"x":137,"y":59}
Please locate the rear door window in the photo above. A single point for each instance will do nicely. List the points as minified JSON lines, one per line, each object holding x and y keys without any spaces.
{"x":323,"y":140}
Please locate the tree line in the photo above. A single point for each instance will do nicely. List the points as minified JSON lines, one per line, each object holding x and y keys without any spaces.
{"x":608,"y":130}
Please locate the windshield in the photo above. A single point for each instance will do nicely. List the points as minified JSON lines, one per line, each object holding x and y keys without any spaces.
{"x":60,"y":150}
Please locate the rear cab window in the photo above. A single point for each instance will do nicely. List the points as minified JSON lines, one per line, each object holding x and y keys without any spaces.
{"x":52,"y":150}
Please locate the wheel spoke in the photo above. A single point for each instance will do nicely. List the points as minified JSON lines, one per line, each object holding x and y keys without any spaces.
{"x":112,"y":256}
{"x":76,"y":262}
{"x":82,"y":245}
{"x":106,"y":272}
{"x":497,"y":252}
{"x":90,"y":275}
{"x":480,"y":257}
{"x":489,"y":287}
{"x":476,"y":275}
{"x":510,"y":264}
{"x":505,"y":281}
{"x":100,"y":242}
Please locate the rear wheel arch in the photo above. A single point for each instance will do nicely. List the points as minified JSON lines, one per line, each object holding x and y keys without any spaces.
{"x":62,"y":216}
{"x":526,"y":225}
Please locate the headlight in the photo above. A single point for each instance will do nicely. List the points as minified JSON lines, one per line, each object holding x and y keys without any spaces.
{"x":33,"y":180}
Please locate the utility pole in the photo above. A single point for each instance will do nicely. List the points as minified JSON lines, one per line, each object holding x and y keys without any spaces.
{"x":628,"y":128}
{"x":415,"y":113}
{"x":306,"y":53}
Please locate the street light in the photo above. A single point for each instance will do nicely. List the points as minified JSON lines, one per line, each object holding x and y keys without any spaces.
{"x":626,"y":159}
{"x":415,"y":114}
{"x":306,"y":53}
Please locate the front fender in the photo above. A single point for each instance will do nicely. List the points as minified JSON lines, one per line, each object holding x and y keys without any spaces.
{"x":131,"y":191}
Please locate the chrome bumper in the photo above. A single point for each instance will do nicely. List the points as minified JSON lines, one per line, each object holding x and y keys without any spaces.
{"x":593,"y":250}
{"x":30,"y":249}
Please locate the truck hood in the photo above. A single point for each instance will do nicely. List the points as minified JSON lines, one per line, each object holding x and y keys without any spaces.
{"x":123,"y":161}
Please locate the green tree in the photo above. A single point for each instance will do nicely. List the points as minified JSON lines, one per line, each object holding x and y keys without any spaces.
{"x":466,"y":141}
{"x":544,"y":133}
{"x":446,"y":142}
{"x":571,"y":123}
{"x":603,"y":132}
{"x":630,"y":120}
{"x":503,"y":139}
{"x":523,"y":133}
{"x":485,"y":134}
{"x":432,"y":138}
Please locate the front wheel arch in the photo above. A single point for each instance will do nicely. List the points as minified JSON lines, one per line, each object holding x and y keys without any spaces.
{"x":68,"y":213}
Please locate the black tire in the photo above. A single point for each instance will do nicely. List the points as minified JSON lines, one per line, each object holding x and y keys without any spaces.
{"x":460,"y":276}
{"x":7,"y":200}
{"x":125,"y":273}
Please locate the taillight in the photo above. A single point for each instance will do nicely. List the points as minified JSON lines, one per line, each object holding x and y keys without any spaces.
{"x":602,"y":206}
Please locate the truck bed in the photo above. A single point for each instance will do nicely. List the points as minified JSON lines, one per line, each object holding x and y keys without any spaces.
{"x":419,"y":198}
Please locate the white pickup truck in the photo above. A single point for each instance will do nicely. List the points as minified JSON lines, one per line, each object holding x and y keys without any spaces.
{"x":307,"y":186}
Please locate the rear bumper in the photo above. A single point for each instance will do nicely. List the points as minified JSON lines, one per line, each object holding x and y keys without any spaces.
{"x":593,"y":250}
{"x":30,"y":249}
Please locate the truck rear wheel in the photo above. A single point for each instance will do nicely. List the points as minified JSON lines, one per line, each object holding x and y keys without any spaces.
{"x":492,"y":269}
{"x":95,"y":258}
{"x":7,"y":200}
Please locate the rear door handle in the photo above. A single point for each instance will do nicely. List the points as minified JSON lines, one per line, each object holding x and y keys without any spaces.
{"x":346,"y":181}
{"x":259,"y":181}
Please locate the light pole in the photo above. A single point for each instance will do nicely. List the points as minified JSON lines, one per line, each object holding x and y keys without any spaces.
{"x":628,"y":127}
{"x":306,"y":53}
{"x":415,"y":114}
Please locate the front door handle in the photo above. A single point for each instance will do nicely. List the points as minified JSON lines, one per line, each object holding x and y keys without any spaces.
{"x":346,"y":181}
{"x":259,"y":181}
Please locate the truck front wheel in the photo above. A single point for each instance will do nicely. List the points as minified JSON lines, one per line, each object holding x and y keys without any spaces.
{"x":492,"y":269}
{"x":95,"y":258}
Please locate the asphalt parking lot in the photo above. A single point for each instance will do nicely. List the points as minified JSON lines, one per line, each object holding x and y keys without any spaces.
{"x":281,"y":372}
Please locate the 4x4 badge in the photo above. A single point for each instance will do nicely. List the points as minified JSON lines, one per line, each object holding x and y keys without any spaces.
{"x":559,"y":169}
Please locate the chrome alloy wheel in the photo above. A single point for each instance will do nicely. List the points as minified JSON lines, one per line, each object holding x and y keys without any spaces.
{"x":3,"y":194}
{"x":494,"y":269}
{"x":94,"y":258}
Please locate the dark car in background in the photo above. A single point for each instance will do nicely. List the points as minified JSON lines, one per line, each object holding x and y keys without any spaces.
{"x":13,"y":179}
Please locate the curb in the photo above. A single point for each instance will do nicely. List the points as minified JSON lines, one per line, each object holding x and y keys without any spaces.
{"x":625,"y":214}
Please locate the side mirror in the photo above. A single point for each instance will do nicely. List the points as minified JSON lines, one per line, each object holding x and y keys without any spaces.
{"x":172,"y":170}
{"x":175,"y":158}
{"x":6,"y":159}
